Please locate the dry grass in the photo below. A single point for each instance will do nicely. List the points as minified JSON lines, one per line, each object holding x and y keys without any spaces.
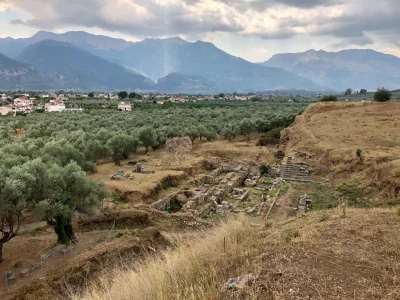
{"x":332,"y":132}
{"x":319,"y":256}
{"x":244,"y":150}
{"x":192,"y":271}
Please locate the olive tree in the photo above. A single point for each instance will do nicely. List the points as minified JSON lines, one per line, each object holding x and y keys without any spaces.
{"x":69,"y":190}
{"x":246,"y":127}
{"x":121,"y":146}
{"x":12,"y":204}
{"x":148,"y":137}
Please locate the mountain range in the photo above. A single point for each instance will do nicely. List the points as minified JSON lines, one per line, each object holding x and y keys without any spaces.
{"x":15,"y":75}
{"x":355,"y":69}
{"x":79,"y":60}
{"x":69,"y":67}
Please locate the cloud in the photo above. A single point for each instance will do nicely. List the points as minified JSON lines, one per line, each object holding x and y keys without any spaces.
{"x":350,"y":21}
{"x":17,"y":22}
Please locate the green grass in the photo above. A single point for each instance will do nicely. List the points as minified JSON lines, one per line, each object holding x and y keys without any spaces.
{"x":285,"y":187}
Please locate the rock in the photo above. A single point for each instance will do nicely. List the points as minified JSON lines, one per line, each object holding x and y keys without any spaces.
{"x":205,"y":211}
{"x":67,"y":250}
{"x":181,"y":198}
{"x":209,"y":179}
{"x":10,"y":277}
{"x":244,"y":197}
{"x":212,"y":163}
{"x":179,"y":145}
{"x":34,"y":268}
{"x":109,"y":205}
{"x":238,"y":283}
{"x":24,"y":273}
{"x":250,"y":210}
{"x":18,"y":264}
{"x":53,"y":251}
{"x":189,"y":205}
{"x":220,"y":209}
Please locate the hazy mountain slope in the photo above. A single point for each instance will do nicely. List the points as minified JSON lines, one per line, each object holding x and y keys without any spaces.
{"x":159,"y":58}
{"x":16,"y":75}
{"x":70,"y":67}
{"x":95,"y":44}
{"x":345,"y":69}
{"x":178,"y":83}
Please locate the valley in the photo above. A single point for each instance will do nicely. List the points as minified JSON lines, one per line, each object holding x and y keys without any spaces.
{"x":199,"y":150}
{"x":231,"y":211}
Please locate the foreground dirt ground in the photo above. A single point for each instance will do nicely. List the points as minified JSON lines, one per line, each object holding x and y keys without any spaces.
{"x":321,"y":255}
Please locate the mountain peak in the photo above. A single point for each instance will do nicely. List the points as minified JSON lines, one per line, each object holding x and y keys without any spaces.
{"x":174,"y":40}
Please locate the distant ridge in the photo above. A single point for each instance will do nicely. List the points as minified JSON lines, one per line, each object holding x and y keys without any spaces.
{"x":160,"y":57}
{"x":15,"y":75}
{"x":70,"y":67}
{"x":354,"y":69}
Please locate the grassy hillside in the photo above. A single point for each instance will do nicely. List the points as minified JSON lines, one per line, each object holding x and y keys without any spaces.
{"x":332,"y":132}
{"x":322,"y":255}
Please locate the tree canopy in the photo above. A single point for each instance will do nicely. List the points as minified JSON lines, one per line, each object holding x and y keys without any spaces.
{"x":382,"y":95}
{"x":122,"y":94}
{"x":329,"y":98}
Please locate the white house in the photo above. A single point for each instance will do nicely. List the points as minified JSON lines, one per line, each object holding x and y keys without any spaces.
{"x":124,"y":106}
{"x":55,"y":106}
{"x":23,"y":105}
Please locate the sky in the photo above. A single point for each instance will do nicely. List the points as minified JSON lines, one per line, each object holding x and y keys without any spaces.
{"x":252,"y":29}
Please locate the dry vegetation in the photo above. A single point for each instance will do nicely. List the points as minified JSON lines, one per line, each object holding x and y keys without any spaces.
{"x":333,"y":132}
{"x":322,"y":255}
{"x":172,"y":170}
{"x":319,"y":256}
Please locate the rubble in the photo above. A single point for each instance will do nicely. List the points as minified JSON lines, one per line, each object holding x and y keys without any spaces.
{"x":238,"y":283}
{"x":139,"y":169}
{"x":304,"y":204}
{"x":121,"y":175}
{"x":239,"y":194}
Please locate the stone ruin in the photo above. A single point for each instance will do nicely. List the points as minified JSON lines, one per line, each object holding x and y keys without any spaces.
{"x":295,"y":171}
{"x":219,"y":191}
{"x":139,"y":169}
{"x":121,"y":175}
{"x":211,"y":190}
{"x":304,"y":204}
{"x":252,"y":179}
{"x":179,"y":145}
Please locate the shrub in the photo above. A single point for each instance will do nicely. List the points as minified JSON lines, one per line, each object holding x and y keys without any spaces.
{"x":264,"y":169}
{"x":268,"y":224}
{"x":289,"y":234}
{"x":284,"y":188}
{"x":329,"y":98}
{"x":382,"y":95}
{"x":119,"y":234}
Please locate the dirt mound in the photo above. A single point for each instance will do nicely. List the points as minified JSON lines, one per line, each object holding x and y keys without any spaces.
{"x":87,"y":269}
{"x":122,"y":219}
{"x":179,"y":145}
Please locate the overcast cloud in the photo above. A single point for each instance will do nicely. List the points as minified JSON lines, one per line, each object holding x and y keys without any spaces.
{"x":253,"y":29}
